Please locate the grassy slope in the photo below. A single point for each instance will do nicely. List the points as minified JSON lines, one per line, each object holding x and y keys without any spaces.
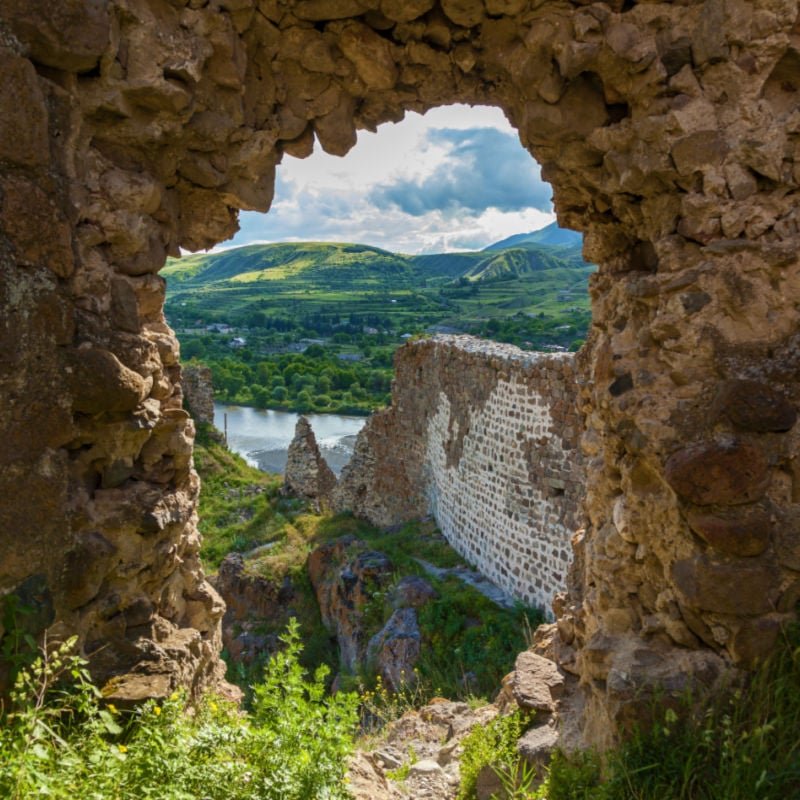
{"x":464,"y":632}
{"x":307,"y":263}
{"x":239,"y":507}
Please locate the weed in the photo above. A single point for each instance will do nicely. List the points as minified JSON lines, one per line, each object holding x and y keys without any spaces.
{"x":743,"y":744}
{"x":494,"y":746}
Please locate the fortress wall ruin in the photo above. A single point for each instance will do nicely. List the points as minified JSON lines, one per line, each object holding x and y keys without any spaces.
{"x":493,"y":457}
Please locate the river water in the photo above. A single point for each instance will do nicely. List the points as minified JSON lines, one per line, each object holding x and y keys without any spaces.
{"x":262,"y":437}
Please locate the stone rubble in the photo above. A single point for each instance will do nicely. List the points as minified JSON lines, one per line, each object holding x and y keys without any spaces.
{"x":429,"y":741}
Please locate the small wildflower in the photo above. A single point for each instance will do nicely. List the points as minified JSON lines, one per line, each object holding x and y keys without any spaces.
{"x":112,"y":708}
{"x":157,"y":711}
{"x":214,"y":707}
{"x":122,"y":748}
{"x":174,"y":696}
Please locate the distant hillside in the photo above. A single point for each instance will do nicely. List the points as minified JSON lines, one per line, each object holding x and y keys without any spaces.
{"x":552,"y":236}
{"x":446,"y":265}
{"x":317,"y":263}
{"x":317,"y":289}
{"x":516,"y":262}
{"x":314,"y":266}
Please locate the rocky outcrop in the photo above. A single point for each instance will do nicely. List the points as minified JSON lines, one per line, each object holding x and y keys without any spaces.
{"x":395,"y":648}
{"x":252,"y":603}
{"x":351,"y":584}
{"x":198,"y":393}
{"x":346,"y":575}
{"x":669,"y":132}
{"x":484,"y":437}
{"x":307,"y":474}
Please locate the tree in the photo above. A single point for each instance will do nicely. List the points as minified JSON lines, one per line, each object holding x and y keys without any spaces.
{"x":194,"y":348}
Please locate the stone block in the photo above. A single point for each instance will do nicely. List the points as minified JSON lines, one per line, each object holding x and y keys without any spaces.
{"x":725,"y":472}
{"x":69,"y":35}
{"x":756,"y":406}
{"x":23,"y":123}
{"x":742,"y":588}
{"x":536,"y":682}
{"x":99,"y":382}
{"x":744,"y":534}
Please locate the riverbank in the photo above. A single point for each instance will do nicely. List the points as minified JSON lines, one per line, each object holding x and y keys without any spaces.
{"x":262,"y":436}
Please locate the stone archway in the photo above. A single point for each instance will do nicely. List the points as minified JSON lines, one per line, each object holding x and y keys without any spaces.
{"x":668,"y":132}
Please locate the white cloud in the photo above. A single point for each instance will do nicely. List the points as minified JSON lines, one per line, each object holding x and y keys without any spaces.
{"x":326,"y":198}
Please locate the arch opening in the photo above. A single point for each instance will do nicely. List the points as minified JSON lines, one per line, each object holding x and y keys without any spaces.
{"x":669,"y":138}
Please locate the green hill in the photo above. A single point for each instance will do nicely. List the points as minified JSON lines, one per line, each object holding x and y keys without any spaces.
{"x":339,"y":265}
{"x":316,"y":290}
{"x":517,"y":262}
{"x":446,"y":265}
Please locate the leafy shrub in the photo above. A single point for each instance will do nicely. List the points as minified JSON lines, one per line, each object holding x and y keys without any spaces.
{"x":58,"y":740}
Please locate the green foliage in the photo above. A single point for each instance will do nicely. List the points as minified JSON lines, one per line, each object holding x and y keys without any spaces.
{"x":493,"y":745}
{"x":470,"y":641}
{"x":314,"y":381}
{"x":576,"y":777}
{"x":58,"y":740}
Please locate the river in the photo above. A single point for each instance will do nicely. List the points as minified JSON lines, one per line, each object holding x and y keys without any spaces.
{"x":262,"y":437}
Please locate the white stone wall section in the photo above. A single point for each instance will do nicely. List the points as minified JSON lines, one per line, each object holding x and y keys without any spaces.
{"x":486,"y":505}
{"x":484,"y":436}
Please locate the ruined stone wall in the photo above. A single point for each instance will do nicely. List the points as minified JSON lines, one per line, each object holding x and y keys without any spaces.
{"x":493,"y":456}
{"x":198,"y":393}
{"x":670,"y":132}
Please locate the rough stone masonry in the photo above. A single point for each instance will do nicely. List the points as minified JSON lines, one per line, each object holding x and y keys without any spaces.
{"x":670,"y":132}
{"x":485,"y":437}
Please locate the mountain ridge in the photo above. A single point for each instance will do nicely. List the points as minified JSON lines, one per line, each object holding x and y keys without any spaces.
{"x":551,"y":235}
{"x":361,"y":264}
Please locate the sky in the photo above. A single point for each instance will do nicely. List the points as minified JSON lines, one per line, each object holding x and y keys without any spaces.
{"x":456,"y":178}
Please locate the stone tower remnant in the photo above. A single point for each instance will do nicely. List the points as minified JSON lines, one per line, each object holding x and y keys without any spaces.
{"x":198,"y":392}
{"x":307,"y":474}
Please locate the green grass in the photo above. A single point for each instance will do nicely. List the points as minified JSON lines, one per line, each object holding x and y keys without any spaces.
{"x":493,"y":745}
{"x":239,"y":505}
